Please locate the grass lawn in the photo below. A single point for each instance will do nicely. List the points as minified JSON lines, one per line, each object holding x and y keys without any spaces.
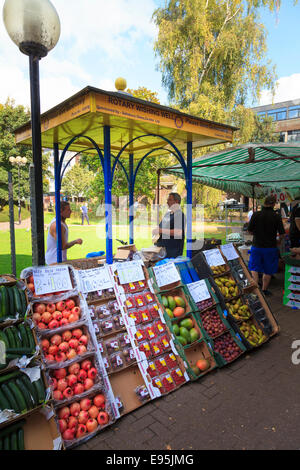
{"x":4,"y":214}
{"x":93,"y":240}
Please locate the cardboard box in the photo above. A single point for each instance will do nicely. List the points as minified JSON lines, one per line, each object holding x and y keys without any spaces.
{"x":123,"y":251}
{"x":41,"y":433}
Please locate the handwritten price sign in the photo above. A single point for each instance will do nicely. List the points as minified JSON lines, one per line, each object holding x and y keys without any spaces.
{"x":48,"y":280}
{"x":96,"y":279}
{"x":166,"y":274}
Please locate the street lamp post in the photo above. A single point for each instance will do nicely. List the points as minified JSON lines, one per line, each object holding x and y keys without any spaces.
{"x":18,"y":161}
{"x":34,"y":26}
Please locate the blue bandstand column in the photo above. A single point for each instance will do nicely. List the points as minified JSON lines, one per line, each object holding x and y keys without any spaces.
{"x":189,"y":198}
{"x":57,"y":202}
{"x":131,"y":200}
{"x":108,"y":195}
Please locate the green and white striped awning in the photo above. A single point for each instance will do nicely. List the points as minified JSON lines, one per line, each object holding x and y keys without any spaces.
{"x":251,"y":169}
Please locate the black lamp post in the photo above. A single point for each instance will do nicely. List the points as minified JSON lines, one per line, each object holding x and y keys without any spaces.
{"x":18,"y":161}
{"x":34,"y":26}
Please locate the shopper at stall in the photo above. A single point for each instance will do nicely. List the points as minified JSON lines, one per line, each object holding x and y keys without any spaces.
{"x":51,"y":253}
{"x":84,"y":214}
{"x":171,"y":229}
{"x":264,"y":255}
{"x":295,"y":225}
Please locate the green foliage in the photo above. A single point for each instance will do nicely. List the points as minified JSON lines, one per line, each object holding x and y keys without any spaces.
{"x":144,"y":94}
{"x":11,"y":117}
{"x":77,"y":181}
{"x":213,"y":54}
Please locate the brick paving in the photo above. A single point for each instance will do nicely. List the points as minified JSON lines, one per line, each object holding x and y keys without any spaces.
{"x":252,"y":403}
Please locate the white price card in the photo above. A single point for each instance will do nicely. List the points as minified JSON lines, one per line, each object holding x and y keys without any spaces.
{"x":130,"y":271}
{"x":229,"y":251}
{"x":95,"y":279}
{"x":166,"y":274}
{"x":199,"y":291}
{"x":214,"y":257}
{"x":51,"y":279}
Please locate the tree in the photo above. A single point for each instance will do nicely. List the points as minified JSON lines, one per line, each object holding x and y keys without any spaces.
{"x":11,"y":117}
{"x":213,"y":54}
{"x":77,"y":182}
{"x":144,"y":94}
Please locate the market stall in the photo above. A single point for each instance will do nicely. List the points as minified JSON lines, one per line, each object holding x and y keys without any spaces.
{"x":117,"y":127}
{"x":84,"y":347}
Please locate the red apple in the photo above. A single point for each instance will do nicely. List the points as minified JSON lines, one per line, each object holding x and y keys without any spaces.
{"x":74,"y":368}
{"x":99,"y":400}
{"x":88,"y":383}
{"x":60,"y":373}
{"x":86,"y":364}
{"x":83,"y":417}
{"x":50,"y":308}
{"x":92,"y":373}
{"x":60,"y":306}
{"x":71,"y":354}
{"x":77,"y":333}
{"x":75,"y":409}
{"x":78,"y":389}
{"x":53,"y":324}
{"x":91,"y":425}
{"x":103,"y":418}
{"x":67,"y":335}
{"x":70,"y":304}
{"x":46,"y":317}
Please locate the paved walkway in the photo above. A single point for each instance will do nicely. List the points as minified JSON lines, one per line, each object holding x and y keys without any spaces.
{"x":251,"y":404}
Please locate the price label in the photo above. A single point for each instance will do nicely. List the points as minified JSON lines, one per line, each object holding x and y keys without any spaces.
{"x":199,"y":291}
{"x":166,"y":274}
{"x":130,"y":271}
{"x":51,"y":279}
{"x":214,"y":257}
{"x":95,"y":279}
{"x":229,"y":251}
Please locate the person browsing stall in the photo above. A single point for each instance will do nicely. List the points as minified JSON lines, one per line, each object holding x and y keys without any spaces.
{"x":264,"y":255}
{"x":295,"y":225}
{"x":171,"y":229}
{"x":51,"y":253}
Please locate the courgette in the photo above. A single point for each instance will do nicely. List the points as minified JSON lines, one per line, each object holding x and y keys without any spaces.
{"x":4,"y":338}
{"x":19,"y":351}
{"x":10,"y":337}
{"x":4,"y":306}
{"x":6,"y":443}
{"x":30,"y":337}
{"x":26,"y":395}
{"x":39,"y":386}
{"x":18,"y":396}
{"x":13,"y":405}
{"x":20,"y":434}
{"x":4,"y":403}
{"x":17,"y":299}
{"x":29,"y":385}
{"x":17,"y":338}
{"x":13,"y":441}
{"x":21,"y":328}
{"x":12,"y":310}
{"x":12,"y":428}
{"x":11,"y":375}
{"x":23,"y":301}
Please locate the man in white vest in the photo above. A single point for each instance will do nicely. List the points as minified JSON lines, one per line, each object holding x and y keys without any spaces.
{"x":51,"y":253}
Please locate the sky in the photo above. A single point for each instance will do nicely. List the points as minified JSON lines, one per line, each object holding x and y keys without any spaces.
{"x":103,"y":40}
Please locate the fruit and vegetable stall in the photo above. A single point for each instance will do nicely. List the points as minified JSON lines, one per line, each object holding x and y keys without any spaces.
{"x":80,"y":348}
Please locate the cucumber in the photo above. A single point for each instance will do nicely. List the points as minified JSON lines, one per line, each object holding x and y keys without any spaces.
{"x":26,"y":395}
{"x":12,"y":428}
{"x":10,"y":337}
{"x":13,"y":441}
{"x":23,"y":301}
{"x":4,"y":338}
{"x":4,"y":306}
{"x":1,"y":444}
{"x":30,"y":337}
{"x":17,"y":299}
{"x":18,"y":396}
{"x":15,"y":332}
{"x":39,"y":386}
{"x":19,"y":351}
{"x":30,"y":387}
{"x":21,"y":328}
{"x":6,"y":443}
{"x":4,"y":403}
{"x":13,"y":405}
{"x":11,"y":375}
{"x":20,"y":435}
{"x":12,"y":310}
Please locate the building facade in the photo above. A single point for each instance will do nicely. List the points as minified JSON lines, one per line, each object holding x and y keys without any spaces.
{"x":286,"y":116}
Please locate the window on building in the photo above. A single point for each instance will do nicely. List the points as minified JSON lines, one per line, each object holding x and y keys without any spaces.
{"x":278,"y":114}
{"x":294,"y":136}
{"x":294,"y":112}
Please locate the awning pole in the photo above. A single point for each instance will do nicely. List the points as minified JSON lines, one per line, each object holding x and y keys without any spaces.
{"x":157,"y":194}
{"x":131,"y":200}
{"x":189,"y":195}
{"x":108,"y":195}
{"x":57,"y":202}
